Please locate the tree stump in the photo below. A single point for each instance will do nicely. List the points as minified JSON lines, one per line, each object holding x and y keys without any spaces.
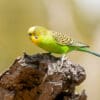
{"x":42,"y":77}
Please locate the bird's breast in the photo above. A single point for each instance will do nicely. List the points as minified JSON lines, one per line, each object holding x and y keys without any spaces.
{"x":50,"y":45}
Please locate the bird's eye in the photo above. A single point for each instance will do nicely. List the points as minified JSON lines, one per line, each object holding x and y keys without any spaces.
{"x":30,"y":34}
{"x":35,"y":35}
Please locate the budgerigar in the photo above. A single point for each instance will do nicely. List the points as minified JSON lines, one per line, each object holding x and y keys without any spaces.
{"x":56,"y":42}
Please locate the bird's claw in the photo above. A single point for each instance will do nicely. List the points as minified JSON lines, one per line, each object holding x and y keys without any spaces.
{"x":62,"y":60}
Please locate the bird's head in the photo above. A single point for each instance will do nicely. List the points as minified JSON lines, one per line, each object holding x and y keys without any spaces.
{"x":35,"y":33}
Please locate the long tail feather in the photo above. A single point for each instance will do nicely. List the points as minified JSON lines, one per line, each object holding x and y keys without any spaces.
{"x":89,"y":51}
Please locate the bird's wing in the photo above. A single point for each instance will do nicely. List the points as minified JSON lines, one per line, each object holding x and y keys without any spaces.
{"x":64,"y":39}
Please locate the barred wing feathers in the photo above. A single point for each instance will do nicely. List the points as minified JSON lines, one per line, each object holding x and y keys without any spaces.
{"x":64,"y":39}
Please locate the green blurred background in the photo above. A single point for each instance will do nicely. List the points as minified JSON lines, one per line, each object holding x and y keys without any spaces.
{"x":78,"y":18}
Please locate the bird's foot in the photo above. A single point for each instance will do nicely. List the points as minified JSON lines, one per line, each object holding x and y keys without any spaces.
{"x":48,"y":53}
{"x":62,"y":60}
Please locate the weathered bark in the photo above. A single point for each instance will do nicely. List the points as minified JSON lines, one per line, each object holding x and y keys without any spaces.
{"x":42,"y":77}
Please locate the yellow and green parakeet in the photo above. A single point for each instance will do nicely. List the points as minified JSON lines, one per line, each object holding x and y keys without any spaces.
{"x":56,"y":42}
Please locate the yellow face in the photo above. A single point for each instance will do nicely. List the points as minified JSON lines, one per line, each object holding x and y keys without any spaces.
{"x":37,"y":33}
{"x":33,"y":35}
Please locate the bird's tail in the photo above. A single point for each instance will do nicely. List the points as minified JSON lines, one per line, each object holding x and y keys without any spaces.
{"x":89,"y":51}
